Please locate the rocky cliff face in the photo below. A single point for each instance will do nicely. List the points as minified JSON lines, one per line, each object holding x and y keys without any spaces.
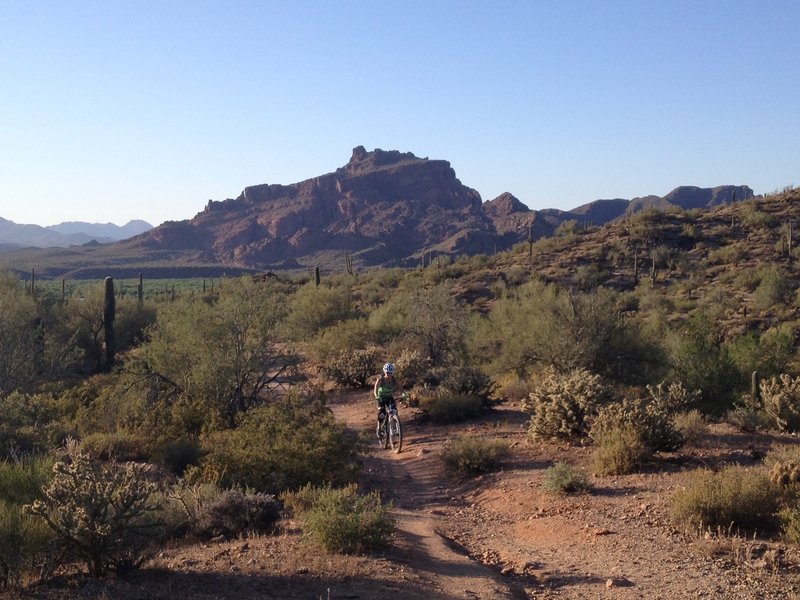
{"x":384,"y":208}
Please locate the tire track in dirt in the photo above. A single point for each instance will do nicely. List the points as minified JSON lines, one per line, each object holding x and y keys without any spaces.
{"x":413,"y":481}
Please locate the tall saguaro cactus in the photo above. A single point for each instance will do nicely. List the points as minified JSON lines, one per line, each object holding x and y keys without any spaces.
{"x":140,"y":290}
{"x":109,"y":314}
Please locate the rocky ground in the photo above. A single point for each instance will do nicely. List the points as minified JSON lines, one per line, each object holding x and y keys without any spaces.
{"x":497,"y":536}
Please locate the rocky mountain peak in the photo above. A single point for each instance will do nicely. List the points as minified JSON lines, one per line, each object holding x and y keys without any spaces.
{"x":505,"y":204}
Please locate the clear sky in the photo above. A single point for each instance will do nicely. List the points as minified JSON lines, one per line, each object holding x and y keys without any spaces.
{"x":118,"y":109}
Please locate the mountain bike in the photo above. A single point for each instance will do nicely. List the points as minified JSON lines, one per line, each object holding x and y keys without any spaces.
{"x":390,"y":432}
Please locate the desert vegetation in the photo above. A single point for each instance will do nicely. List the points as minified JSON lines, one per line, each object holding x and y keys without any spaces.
{"x":128,"y":423}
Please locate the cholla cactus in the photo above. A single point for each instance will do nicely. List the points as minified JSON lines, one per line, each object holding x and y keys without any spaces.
{"x":781,"y":399}
{"x":561,"y":402}
{"x":784,"y":474}
{"x":674,"y":397}
{"x":102,"y":512}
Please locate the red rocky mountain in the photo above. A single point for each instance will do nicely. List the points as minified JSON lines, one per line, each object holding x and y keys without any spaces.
{"x":384,"y":208}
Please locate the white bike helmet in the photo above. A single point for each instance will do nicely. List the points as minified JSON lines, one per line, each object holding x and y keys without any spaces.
{"x":388,"y":369}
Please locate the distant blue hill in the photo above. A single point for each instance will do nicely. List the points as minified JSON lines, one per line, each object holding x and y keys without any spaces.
{"x":15,"y":235}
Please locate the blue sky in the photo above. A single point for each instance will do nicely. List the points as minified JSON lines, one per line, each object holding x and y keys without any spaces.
{"x":116,"y":110}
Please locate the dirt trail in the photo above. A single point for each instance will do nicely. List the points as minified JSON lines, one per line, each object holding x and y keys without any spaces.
{"x":413,"y":481}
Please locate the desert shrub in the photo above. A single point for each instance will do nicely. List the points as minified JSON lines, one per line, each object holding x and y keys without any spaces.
{"x":542,"y":324}
{"x":344,"y":336}
{"x":468,"y":455}
{"x":22,"y":480}
{"x":31,"y":423}
{"x":647,"y":417}
{"x":511,"y":386}
{"x":772,"y":289}
{"x":769,"y":353}
{"x":691,"y":426}
{"x":701,"y":362}
{"x":749,"y":418}
{"x":343,"y":521}
{"x":235,"y":512}
{"x":781,"y":400}
{"x":752,"y":216}
{"x":561,"y":403}
{"x":353,"y":368}
{"x":117,"y":445}
{"x":563,"y":478}
{"x":734,"y":496}
{"x":178,"y":454}
{"x":282,"y":445}
{"x":183,"y":503}
{"x":411,"y":367}
{"x":620,"y":450}
{"x":316,"y":307}
{"x":446,"y":408}
{"x":789,"y":520}
{"x":465,"y":381}
{"x":102,"y":513}
{"x":24,"y":542}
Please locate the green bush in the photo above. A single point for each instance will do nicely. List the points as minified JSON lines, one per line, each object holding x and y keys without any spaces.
{"x":563,"y":478}
{"x":464,"y":381}
{"x":773,"y":289}
{"x":781,"y":400}
{"x":284,"y":445}
{"x":789,"y":519}
{"x":620,"y":450}
{"x":121,"y":446}
{"x":22,"y":481}
{"x":468,"y":455}
{"x":316,"y":307}
{"x":25,"y":542}
{"x":561,"y":403}
{"x":177,"y":455}
{"x":443,"y":408}
{"x":102,"y":513}
{"x":343,"y":522}
{"x":734,"y":496}
{"x":353,"y":368}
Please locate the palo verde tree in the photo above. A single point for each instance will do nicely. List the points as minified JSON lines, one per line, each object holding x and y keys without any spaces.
{"x":220,"y":356}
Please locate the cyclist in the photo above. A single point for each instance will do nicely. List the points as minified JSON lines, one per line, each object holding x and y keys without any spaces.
{"x":386,"y":386}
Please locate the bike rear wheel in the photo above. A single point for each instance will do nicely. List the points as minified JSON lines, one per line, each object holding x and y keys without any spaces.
{"x":395,"y":433}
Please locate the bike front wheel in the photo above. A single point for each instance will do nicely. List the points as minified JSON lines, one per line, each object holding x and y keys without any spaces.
{"x":395,"y":433}
{"x":383,"y":438}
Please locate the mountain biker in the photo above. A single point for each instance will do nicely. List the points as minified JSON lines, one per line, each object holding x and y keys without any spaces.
{"x":386,"y":386}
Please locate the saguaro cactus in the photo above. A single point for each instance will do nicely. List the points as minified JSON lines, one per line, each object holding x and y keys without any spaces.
{"x":316,"y":276}
{"x":140,"y":290}
{"x":109,"y":314}
{"x":755,"y":388}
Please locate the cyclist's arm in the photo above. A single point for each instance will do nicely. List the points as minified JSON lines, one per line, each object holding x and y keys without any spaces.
{"x":375,"y":387}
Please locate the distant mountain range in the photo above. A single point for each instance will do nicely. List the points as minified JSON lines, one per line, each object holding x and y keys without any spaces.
{"x":14,"y":235}
{"x":382,"y":207}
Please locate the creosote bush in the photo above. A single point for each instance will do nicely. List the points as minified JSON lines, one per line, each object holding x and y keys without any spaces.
{"x":446,"y":408}
{"x":25,"y":542}
{"x":341,"y":520}
{"x":282,"y":445}
{"x":647,"y":417}
{"x":620,"y":450}
{"x":734,"y":496}
{"x":469,"y":455}
{"x":560,"y":403}
{"x":563,"y":478}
